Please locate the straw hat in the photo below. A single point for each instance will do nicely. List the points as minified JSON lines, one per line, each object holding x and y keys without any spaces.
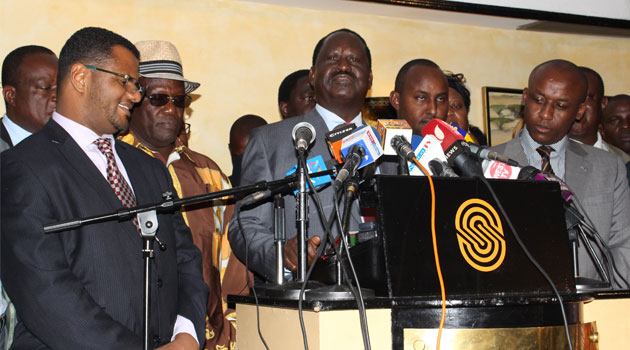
{"x":160,"y":59}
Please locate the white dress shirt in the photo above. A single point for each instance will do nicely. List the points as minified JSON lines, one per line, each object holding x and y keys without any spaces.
{"x":16,"y":133}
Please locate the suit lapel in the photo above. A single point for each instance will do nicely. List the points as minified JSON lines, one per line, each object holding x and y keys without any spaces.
{"x":4,"y":134}
{"x":81,"y":164}
{"x":577,"y":168}
{"x":514,"y":149}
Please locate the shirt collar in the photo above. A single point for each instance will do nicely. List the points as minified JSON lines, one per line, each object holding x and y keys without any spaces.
{"x":16,"y":132}
{"x":559,"y":146}
{"x":81,"y":134}
{"x":332,"y":120}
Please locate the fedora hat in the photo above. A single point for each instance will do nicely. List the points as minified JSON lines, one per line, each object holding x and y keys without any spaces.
{"x":160,"y":59}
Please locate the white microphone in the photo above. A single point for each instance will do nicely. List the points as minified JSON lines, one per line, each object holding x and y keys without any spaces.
{"x":303,"y":136}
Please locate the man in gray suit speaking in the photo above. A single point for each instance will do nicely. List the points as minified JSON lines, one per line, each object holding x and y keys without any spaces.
{"x":341,"y":75}
{"x":553,"y":99}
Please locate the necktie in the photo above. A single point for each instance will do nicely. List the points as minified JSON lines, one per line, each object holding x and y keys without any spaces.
{"x":545,"y":155}
{"x":114,"y":177}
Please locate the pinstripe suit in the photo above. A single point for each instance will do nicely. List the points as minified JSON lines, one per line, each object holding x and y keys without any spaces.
{"x":83,"y":288}
{"x":598,"y":180}
{"x":269,"y":154}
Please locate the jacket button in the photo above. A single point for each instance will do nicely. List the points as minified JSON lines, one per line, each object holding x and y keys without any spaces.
{"x":156,"y":339}
{"x":159,"y":283}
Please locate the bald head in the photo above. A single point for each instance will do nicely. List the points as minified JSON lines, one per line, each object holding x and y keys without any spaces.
{"x":553,"y":100}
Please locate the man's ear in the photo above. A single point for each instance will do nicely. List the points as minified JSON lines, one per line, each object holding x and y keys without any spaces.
{"x":604,"y":102}
{"x":79,"y":77}
{"x":394,"y":99}
{"x":524,"y":96}
{"x":8,"y":92}
{"x":284,"y":109}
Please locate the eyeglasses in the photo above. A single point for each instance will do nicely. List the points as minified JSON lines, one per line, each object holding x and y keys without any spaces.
{"x":159,"y":100}
{"x":133,"y":87}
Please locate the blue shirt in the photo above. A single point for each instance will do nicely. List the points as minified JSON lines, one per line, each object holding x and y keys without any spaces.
{"x":332,"y":120}
{"x":534,"y":159}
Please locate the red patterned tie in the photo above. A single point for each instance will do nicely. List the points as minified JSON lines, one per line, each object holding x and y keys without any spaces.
{"x":115,"y":178}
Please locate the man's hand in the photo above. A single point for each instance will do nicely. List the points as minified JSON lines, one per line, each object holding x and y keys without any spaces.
{"x":183,"y":341}
{"x":290,"y":252}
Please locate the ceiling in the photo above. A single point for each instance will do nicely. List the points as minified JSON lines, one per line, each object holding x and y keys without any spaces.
{"x":464,"y":18}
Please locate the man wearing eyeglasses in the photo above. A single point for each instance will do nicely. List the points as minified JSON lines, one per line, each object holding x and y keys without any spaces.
{"x":83,"y":288}
{"x":156,"y":128}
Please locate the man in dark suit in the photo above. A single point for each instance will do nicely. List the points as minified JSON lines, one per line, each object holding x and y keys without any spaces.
{"x":29,"y":89}
{"x":341,"y":76}
{"x":553,"y":99}
{"x":83,"y":288}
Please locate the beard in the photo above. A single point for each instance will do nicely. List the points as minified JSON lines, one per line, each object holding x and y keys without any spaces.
{"x":108,"y":108}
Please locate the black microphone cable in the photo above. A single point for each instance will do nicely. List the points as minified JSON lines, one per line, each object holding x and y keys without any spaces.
{"x":530,"y":257}
{"x":237,"y":211}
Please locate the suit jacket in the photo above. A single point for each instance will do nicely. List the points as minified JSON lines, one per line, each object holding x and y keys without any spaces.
{"x":5,"y":139}
{"x":83,"y":288}
{"x":270,"y":153}
{"x":598,"y":180}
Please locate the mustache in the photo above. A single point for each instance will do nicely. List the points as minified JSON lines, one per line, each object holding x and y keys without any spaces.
{"x":343,"y":71}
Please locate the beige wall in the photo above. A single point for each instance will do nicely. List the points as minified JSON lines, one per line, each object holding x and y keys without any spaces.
{"x":241,"y":51}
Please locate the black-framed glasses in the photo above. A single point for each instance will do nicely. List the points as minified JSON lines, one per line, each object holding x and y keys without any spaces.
{"x":133,"y":87}
{"x":159,"y":100}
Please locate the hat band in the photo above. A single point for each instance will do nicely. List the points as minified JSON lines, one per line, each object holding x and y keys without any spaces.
{"x":163,"y":66}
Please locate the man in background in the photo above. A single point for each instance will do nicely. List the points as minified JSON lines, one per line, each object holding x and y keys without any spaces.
{"x":420,"y":93}
{"x":29,"y":88}
{"x":155,"y":128}
{"x":295,"y":95}
{"x":239,"y":137}
{"x":553,"y":100}
{"x":616,"y":122}
{"x":586,"y":129}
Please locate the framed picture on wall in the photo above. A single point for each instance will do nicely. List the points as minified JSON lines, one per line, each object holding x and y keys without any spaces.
{"x":376,"y":108}
{"x":502,"y":113}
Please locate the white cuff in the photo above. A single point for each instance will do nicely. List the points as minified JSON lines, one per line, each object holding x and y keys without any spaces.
{"x":184,"y":325}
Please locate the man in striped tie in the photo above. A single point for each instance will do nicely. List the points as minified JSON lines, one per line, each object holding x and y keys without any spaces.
{"x":553,"y":100}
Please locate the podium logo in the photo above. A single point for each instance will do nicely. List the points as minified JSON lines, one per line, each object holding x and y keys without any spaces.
{"x":480,"y":235}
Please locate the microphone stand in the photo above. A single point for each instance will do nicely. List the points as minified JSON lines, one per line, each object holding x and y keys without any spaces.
{"x":148,"y":223}
{"x":340,"y":291}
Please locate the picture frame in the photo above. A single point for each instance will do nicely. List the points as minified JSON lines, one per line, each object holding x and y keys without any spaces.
{"x":502,"y":109}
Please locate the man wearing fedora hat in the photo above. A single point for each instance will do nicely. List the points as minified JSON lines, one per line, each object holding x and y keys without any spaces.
{"x":156,"y":126}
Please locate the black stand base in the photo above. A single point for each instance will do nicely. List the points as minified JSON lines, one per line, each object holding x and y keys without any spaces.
{"x":584,"y":285}
{"x":336,"y":292}
{"x":290,"y":290}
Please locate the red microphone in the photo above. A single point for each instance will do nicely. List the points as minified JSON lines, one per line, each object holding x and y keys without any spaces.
{"x":456,"y":150}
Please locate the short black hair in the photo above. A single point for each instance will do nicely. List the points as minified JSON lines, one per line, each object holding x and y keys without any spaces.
{"x":320,"y":43}
{"x":288,"y":84}
{"x":456,"y":82}
{"x":13,"y":61}
{"x":400,"y":77}
{"x":90,"y":45}
{"x":600,"y":81}
{"x":245,"y":124}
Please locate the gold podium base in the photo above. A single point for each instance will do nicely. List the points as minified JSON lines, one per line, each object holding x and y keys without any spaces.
{"x":531,"y":338}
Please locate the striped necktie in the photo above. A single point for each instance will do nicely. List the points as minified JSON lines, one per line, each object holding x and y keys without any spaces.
{"x":545,"y":155}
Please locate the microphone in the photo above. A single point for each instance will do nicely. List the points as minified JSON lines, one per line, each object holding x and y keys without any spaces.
{"x":366,"y":137}
{"x":439,"y":167}
{"x":427,"y":149}
{"x":303,"y":136}
{"x":493,"y":169}
{"x":484,"y":153}
{"x":462,"y":132}
{"x":456,"y":150}
{"x":388,"y":129}
{"x":334,"y":138}
{"x":402,"y":147}
{"x":353,"y":159}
